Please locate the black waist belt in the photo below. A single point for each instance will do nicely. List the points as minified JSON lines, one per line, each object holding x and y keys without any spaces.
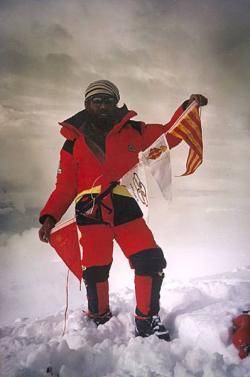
{"x":86,"y":205}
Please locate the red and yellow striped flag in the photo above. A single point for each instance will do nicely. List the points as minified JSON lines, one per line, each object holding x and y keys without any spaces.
{"x":188,"y":128}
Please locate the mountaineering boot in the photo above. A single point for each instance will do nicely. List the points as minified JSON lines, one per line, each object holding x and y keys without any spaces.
{"x":99,"y":319}
{"x":151,"y":326}
{"x":97,"y":289}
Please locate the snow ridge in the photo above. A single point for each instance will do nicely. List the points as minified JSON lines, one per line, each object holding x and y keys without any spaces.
{"x":198,"y":313}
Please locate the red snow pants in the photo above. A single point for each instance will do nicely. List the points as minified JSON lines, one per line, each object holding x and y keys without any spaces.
{"x":137,"y":243}
{"x":97,"y":241}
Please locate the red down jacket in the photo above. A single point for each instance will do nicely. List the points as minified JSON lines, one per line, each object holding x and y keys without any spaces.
{"x":82,"y":169}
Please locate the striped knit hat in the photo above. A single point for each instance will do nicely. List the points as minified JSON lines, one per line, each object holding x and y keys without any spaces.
{"x":102,"y":87}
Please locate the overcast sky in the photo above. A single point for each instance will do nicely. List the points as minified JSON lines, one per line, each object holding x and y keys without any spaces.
{"x":157,"y":52}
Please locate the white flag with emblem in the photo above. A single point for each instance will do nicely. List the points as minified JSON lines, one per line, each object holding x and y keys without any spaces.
{"x":156,"y":161}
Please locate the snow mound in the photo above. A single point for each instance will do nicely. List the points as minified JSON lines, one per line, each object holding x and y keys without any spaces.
{"x":198,"y":313}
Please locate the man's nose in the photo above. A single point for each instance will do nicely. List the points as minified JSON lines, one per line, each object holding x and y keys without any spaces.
{"x":103,"y":106}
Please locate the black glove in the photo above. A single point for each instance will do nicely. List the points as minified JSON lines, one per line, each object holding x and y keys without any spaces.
{"x":199,"y":98}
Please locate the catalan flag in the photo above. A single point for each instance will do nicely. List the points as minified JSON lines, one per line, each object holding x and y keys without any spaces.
{"x":188,"y":128}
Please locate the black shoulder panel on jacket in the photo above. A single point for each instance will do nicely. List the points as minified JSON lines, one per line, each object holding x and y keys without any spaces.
{"x":136,"y":125}
{"x":69,"y":146}
{"x":78,"y":119}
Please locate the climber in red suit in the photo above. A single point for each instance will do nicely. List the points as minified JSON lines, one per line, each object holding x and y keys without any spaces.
{"x":102,"y":144}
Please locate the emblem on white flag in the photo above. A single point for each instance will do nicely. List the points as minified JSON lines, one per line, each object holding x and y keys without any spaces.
{"x":156,"y":161}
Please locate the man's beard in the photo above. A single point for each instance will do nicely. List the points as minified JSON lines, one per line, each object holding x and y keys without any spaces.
{"x":104,"y":123}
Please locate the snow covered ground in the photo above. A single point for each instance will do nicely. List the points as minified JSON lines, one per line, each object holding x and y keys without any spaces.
{"x":198,"y":313}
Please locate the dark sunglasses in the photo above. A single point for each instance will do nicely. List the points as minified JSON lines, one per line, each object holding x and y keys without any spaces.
{"x":105,"y":100}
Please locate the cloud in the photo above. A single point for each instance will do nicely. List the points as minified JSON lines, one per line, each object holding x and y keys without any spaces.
{"x":57,"y":32}
{"x":16,"y":62}
{"x":59,"y":66}
{"x":5,"y":210}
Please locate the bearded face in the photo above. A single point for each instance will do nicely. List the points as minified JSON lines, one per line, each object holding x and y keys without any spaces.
{"x":101,"y":109}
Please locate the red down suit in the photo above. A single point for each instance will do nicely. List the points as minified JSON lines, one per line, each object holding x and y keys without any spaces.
{"x":85,"y":171}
